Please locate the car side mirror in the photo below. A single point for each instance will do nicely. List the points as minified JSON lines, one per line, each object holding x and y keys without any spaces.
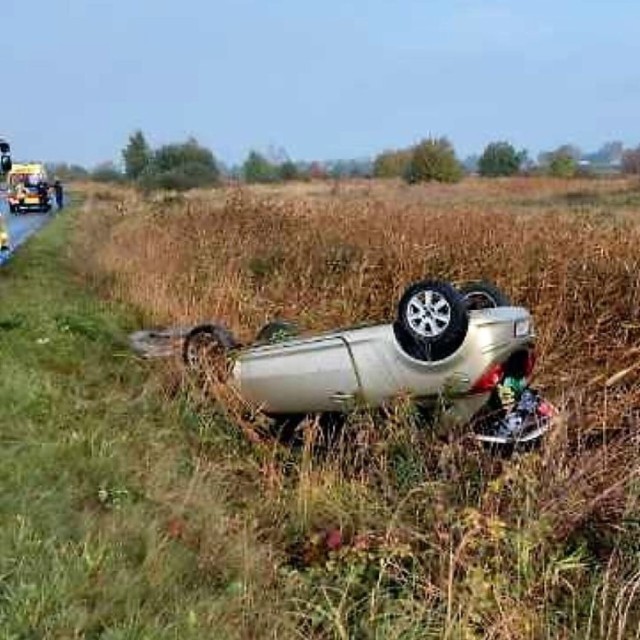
{"x":5,"y":163}
{"x":5,"y":149}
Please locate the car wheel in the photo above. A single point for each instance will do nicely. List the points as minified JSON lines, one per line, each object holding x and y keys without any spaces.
{"x":483,"y":295}
{"x":277,"y":331}
{"x":206,"y":349}
{"x":432,"y":320}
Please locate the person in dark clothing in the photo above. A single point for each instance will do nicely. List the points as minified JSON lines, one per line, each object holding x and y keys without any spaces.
{"x":59,"y":194}
{"x":43,"y":193}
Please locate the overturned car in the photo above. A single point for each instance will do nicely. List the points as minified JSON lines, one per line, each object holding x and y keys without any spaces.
{"x":467,"y":351}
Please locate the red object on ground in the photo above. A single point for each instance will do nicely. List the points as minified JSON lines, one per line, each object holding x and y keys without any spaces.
{"x":334,"y":539}
{"x":545,"y":410}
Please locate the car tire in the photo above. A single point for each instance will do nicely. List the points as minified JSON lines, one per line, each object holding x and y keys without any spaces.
{"x":432,"y":320}
{"x":206,"y":349}
{"x":276,"y":331}
{"x":483,"y":295}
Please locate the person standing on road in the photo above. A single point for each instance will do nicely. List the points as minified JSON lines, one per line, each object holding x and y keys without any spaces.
{"x":59,"y":193}
{"x":43,"y":193}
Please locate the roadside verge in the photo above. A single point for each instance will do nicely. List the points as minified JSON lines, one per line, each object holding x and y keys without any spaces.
{"x":91,"y":457}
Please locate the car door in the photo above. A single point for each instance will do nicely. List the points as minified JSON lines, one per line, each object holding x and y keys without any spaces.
{"x":299,"y":376}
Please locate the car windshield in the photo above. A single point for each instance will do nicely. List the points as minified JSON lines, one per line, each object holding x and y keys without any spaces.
{"x":28,"y":179}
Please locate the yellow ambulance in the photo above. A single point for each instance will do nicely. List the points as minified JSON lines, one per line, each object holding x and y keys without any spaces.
{"x":28,"y":188}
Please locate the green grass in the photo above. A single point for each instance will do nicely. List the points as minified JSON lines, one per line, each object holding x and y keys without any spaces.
{"x":92,"y":459}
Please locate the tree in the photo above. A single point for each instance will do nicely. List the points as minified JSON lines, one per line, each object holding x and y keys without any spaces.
{"x":257,"y":168}
{"x":562,"y":164}
{"x":174,"y":156}
{"x":137,"y":156}
{"x":434,"y":160}
{"x":392,"y":164}
{"x":565,"y":151}
{"x":500,"y":159}
{"x":631,"y":161}
{"x":288,"y":170}
{"x":569,"y":150}
{"x":181,"y":167}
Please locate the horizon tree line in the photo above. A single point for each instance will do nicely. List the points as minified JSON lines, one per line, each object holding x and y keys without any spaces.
{"x":189,"y":164}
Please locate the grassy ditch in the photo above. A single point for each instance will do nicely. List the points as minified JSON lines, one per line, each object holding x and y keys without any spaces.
{"x":133,"y":507}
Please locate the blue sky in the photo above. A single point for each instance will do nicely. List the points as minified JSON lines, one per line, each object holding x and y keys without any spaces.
{"x":330,"y":79}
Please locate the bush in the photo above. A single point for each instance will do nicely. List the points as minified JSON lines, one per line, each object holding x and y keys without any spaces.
{"x":288,"y":170}
{"x":562,"y":165}
{"x":500,"y":159}
{"x":434,"y":160}
{"x":257,"y":168}
{"x":392,"y":164}
{"x":181,"y":178}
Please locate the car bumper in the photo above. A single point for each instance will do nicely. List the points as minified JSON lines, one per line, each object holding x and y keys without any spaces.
{"x":527,"y":421}
{"x":27,"y":203}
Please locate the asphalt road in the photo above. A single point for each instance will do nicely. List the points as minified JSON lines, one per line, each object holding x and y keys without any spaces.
{"x":22,"y":226}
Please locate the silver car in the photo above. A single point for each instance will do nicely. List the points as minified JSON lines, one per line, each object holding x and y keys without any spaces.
{"x":466,"y":350}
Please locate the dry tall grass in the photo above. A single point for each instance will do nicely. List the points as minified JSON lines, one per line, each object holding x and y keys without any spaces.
{"x":430,"y":536}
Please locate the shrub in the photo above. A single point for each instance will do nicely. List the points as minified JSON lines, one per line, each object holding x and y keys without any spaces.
{"x":434,"y":160}
{"x":257,"y":168}
{"x":288,"y":170}
{"x":181,"y":178}
{"x":562,"y":165}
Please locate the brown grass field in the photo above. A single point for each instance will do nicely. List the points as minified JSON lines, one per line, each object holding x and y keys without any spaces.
{"x":400,"y":530}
